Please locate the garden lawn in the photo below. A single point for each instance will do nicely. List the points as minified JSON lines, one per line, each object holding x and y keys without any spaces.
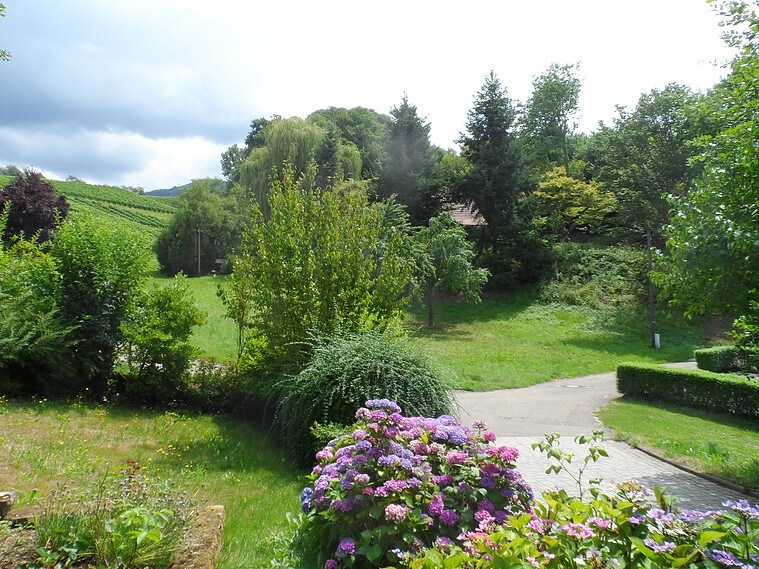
{"x":217,"y":338}
{"x":723,"y":445}
{"x":214,"y":460}
{"x":514,"y":341}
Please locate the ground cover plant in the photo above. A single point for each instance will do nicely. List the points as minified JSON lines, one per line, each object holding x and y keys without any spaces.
{"x":211,"y":459}
{"x":723,"y":445}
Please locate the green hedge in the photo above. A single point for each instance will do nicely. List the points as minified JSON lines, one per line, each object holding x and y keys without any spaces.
{"x":726,"y":393}
{"x":722,"y":359}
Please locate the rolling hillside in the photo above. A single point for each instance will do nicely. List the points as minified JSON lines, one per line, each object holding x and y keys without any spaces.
{"x":149,"y":214}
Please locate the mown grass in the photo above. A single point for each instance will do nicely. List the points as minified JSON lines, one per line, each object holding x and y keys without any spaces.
{"x":718,"y":444}
{"x":515,"y":341}
{"x":217,"y":338}
{"x":506,"y":341}
{"x":216,"y":460}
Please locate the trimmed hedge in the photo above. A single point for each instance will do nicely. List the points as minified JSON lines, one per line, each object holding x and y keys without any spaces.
{"x":727,"y":393}
{"x":722,"y":359}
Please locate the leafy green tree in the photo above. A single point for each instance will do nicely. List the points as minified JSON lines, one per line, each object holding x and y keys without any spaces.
{"x":157,"y":341}
{"x":564,"y":204}
{"x":231,"y":160}
{"x":34,"y":207}
{"x":322,"y":260}
{"x":447,"y":262}
{"x":492,"y":183}
{"x":365,"y":128}
{"x":712,"y":260}
{"x":102,"y":269}
{"x":204,"y":214}
{"x":645,"y":156}
{"x":547,"y":119}
{"x":287,"y":143}
{"x":410,"y":160}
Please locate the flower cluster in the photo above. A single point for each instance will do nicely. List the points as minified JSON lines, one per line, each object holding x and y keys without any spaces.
{"x":618,"y":530}
{"x":398,"y":484}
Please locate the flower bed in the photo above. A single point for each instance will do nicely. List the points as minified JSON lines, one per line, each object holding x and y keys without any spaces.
{"x":399,"y":484}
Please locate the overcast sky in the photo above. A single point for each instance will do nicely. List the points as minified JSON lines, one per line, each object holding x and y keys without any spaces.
{"x":150,"y":92}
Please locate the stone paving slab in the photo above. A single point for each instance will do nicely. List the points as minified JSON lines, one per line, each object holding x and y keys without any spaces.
{"x":522,"y":416}
{"x":623,"y":463}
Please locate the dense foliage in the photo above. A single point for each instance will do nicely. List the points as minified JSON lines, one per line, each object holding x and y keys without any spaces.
{"x":723,"y":359}
{"x":320,"y":261}
{"x":721,"y":392}
{"x":101,"y":272}
{"x":597,"y":277}
{"x":34,"y":342}
{"x":204,"y":228}
{"x":157,"y":342}
{"x":712,"y":259}
{"x":397,"y":484}
{"x":345,"y":370}
{"x":34,"y":207}
{"x":620,"y":529}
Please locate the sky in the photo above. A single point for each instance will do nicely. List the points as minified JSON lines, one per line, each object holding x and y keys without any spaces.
{"x":149,"y":93}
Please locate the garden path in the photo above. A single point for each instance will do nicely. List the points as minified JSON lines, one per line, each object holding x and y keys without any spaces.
{"x":522,"y":416}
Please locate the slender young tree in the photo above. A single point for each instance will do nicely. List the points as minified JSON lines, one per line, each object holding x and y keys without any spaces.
{"x":548,"y":116}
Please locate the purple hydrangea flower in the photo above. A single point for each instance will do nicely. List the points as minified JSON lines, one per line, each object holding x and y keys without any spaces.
{"x":346,"y":547}
{"x":449,"y":518}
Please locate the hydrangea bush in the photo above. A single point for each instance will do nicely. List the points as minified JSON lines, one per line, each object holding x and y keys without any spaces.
{"x":619,"y":530}
{"x":399,"y":484}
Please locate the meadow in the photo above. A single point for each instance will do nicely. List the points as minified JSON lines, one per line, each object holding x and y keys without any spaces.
{"x":507,"y":340}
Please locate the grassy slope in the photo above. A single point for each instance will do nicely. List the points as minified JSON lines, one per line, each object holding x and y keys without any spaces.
{"x":148,"y":214}
{"x":719,"y":444}
{"x":218,"y":461}
{"x":512,"y":341}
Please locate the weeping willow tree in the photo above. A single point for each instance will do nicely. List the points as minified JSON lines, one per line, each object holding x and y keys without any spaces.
{"x":290,"y":142}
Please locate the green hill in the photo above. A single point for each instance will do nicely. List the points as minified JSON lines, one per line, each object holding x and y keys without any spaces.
{"x":148,"y":214}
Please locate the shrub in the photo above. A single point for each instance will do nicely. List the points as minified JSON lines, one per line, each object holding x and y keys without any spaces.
{"x":397,"y":484}
{"x":597,"y":276}
{"x":35,"y":209}
{"x":34,"y":343}
{"x":102,"y":270}
{"x":723,"y":359}
{"x":319,"y":260}
{"x":346,"y":370}
{"x":618,"y":530}
{"x":157,"y":341}
{"x":725,"y":393}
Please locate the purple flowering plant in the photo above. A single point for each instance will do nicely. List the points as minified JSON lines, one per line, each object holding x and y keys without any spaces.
{"x":620,"y":529}
{"x":399,"y":484}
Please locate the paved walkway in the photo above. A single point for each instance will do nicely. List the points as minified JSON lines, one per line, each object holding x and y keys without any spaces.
{"x":521,"y":417}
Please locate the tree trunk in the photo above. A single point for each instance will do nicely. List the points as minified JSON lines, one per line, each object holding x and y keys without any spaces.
{"x":430,"y":314}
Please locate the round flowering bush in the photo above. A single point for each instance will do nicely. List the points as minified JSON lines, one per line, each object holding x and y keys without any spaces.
{"x":618,"y":530}
{"x":399,"y":484}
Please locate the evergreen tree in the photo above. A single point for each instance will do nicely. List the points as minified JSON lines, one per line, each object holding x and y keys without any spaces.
{"x":491,"y":185}
{"x":410,"y":160}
